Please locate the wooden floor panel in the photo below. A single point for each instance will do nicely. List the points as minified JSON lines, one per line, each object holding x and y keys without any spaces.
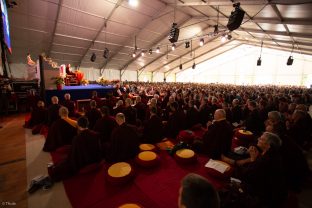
{"x":13,"y":173}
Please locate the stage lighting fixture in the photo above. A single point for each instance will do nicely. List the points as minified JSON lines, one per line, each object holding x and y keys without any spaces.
{"x":134,"y":3}
{"x":290,"y":61}
{"x":158,"y":50}
{"x":93,"y":57}
{"x":216,"y":29}
{"x":259,"y":61}
{"x":229,"y":36}
{"x":187,"y":44}
{"x":180,"y":67}
{"x":236,"y":17}
{"x":173,"y":47}
{"x":223,"y":38}
{"x":174,"y":33}
{"x":201,"y":42}
{"x":134,"y":54}
{"x":194,"y":66}
{"x":106,"y":53}
{"x":142,"y":53}
{"x":150,"y":51}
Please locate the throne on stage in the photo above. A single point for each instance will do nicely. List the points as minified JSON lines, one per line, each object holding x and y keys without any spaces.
{"x":72,"y":78}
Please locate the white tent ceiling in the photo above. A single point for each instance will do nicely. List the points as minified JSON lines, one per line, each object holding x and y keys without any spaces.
{"x":69,"y":31}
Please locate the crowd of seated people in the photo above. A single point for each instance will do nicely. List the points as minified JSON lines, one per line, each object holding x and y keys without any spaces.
{"x":148,"y":112}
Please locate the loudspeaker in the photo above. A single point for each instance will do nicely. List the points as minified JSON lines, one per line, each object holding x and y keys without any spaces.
{"x":236,"y":18}
{"x":290,"y":61}
{"x":93,"y":57}
{"x":174,"y":33}
{"x":180,"y":67}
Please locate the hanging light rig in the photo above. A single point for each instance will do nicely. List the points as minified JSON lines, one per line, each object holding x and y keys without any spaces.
{"x":290,"y":59}
{"x":135,"y":48}
{"x":259,"y":59}
{"x":193,"y":52}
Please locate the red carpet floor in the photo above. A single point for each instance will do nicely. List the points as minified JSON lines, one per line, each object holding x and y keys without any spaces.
{"x":151,"y":188}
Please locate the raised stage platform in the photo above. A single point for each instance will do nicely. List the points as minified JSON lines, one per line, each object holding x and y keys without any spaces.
{"x":78,"y":92}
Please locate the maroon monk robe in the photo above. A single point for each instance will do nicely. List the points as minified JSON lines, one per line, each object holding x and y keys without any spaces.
{"x":60,"y":133}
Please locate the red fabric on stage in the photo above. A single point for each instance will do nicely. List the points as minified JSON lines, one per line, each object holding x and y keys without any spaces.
{"x":156,"y":187}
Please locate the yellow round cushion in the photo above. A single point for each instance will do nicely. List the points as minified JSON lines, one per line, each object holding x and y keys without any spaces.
{"x":147,"y":156}
{"x":146,"y":147}
{"x":129,"y":206}
{"x":185,"y":153}
{"x":245,"y":132}
{"x":119,"y":170}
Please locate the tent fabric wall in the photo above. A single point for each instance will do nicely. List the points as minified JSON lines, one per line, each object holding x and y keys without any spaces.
{"x":90,"y":73}
{"x":238,"y":66}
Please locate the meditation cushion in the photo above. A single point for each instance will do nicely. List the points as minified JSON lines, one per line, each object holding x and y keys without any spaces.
{"x":243,"y":137}
{"x":147,"y":147}
{"x":119,"y":173}
{"x":130,"y":205}
{"x":219,"y":169}
{"x":147,"y":159}
{"x":185,"y":156}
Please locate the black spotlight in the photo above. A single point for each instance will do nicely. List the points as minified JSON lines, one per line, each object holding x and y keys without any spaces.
{"x":236,"y":18}
{"x":150,"y":51}
{"x":93,"y":57}
{"x":187,"y":44}
{"x":216,"y":29}
{"x":290,"y":61}
{"x":194,"y":66}
{"x":180,"y":67}
{"x":106,"y":53}
{"x":259,"y":61}
{"x":174,"y":33}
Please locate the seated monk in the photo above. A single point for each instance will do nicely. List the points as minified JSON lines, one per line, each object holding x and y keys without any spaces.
{"x":61,"y":132}
{"x":105,"y":125}
{"x":93,"y":114}
{"x":38,"y":115}
{"x":53,"y":111}
{"x":218,"y":139}
{"x":70,"y":105}
{"x":141,"y":109}
{"x":85,"y":150}
{"x":37,"y":118}
{"x":262,"y":173}
{"x":153,"y":129}
{"x":124,"y":143}
{"x":176,"y":121}
{"x":130,"y":112}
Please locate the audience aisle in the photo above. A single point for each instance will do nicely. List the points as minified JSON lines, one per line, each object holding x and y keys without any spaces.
{"x":37,"y":165}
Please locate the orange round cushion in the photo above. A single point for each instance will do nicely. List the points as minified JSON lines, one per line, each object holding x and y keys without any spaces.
{"x":244,"y":137}
{"x":119,"y":173}
{"x":147,"y":159}
{"x":130,"y":205}
{"x":147,"y":147}
{"x":185,"y":156}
